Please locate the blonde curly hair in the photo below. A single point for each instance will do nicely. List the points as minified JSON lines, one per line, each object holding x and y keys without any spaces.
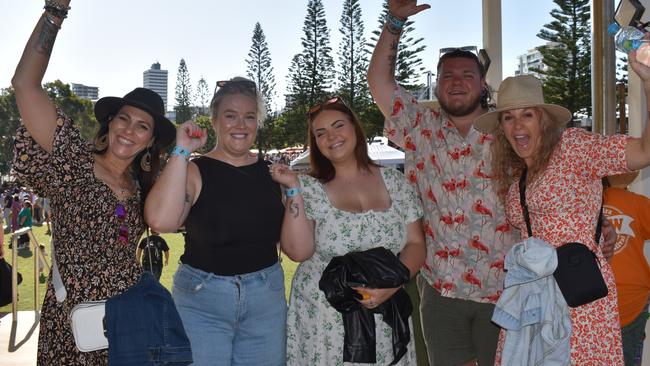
{"x":507,"y":166}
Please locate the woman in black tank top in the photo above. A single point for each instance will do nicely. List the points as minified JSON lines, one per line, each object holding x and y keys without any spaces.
{"x":229,"y":288}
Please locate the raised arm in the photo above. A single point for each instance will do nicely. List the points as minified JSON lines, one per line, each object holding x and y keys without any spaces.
{"x":36,"y":109}
{"x":179,"y":185}
{"x":297,"y":236}
{"x":381,"y":72}
{"x":637,"y":152}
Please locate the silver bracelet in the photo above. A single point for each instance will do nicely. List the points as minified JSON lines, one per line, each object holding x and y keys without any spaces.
{"x":51,"y":21}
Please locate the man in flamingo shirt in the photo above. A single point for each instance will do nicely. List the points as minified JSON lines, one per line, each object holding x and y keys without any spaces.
{"x":464,"y":222}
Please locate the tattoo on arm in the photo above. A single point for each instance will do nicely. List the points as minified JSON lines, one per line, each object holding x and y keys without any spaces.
{"x":46,"y":38}
{"x":295,"y":209}
{"x":187,"y":197}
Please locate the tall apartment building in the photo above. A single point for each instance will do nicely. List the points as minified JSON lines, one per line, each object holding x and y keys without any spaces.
{"x":528,"y":63}
{"x":156,"y":80}
{"x":85,"y":91}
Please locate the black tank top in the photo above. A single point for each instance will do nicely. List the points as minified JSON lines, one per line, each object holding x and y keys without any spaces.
{"x":234,"y":225}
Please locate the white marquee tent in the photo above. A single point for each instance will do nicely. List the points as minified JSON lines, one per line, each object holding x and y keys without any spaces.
{"x":378,"y":151}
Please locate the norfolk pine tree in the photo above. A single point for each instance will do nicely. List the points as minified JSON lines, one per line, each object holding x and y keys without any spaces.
{"x":567,"y":81}
{"x":353,"y":58}
{"x":203,"y":95}
{"x":260,"y":70}
{"x":317,"y":59}
{"x":183,"y":94}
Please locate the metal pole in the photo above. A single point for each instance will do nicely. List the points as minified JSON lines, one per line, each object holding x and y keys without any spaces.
{"x":603,"y":60}
{"x":492,"y":37}
{"x":14,"y":277}
{"x":621,"y":109}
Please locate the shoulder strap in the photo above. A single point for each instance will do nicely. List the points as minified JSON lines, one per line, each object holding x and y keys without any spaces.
{"x":522,"y":200}
{"x":59,"y":288}
{"x":524,"y":208}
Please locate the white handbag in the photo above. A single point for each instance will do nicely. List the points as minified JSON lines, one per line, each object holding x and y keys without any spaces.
{"x":88,"y":326}
{"x":86,"y":318}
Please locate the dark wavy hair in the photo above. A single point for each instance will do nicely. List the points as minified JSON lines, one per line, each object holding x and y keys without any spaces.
{"x":321,"y":167}
{"x":145,"y":179}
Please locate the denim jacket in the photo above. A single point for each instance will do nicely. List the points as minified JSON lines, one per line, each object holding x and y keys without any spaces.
{"x":532,"y":308}
{"x":143,"y":327}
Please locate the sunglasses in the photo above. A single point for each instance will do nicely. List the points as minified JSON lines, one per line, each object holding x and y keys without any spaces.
{"x":246,"y":84}
{"x":123,"y":232}
{"x":481,"y":54}
{"x":319,"y":107}
{"x":445,"y":50}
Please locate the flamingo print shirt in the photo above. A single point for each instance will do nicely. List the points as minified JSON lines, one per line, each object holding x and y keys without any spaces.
{"x":466,"y":231}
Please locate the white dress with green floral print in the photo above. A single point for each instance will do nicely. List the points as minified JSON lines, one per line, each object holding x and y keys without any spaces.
{"x":314,"y":328}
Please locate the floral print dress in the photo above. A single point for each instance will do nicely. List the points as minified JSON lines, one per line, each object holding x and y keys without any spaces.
{"x":314,"y":328}
{"x":563,"y":204}
{"x":93,"y":263}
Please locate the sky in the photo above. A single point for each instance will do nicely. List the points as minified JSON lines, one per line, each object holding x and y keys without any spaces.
{"x":109,"y":44}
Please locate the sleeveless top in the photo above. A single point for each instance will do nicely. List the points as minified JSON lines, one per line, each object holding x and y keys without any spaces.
{"x":234,"y":225}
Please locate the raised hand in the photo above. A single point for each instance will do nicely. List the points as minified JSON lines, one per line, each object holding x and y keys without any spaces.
{"x":405,"y":8}
{"x":280,"y":173}
{"x":640,"y":69}
{"x":190,"y":136}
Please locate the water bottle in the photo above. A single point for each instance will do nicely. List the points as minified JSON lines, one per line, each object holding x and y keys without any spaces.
{"x":628,"y":38}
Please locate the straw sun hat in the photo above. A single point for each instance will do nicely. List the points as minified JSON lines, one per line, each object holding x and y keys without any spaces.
{"x":519,"y":92}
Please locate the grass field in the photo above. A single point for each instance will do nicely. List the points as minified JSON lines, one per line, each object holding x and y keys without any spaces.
{"x":26,"y":267}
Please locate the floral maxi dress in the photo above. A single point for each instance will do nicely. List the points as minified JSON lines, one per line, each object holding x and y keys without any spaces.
{"x":92,"y":261}
{"x":563,"y":204}
{"x":314,"y":328}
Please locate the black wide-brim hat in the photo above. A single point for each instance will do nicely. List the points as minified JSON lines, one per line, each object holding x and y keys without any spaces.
{"x":145,"y":99}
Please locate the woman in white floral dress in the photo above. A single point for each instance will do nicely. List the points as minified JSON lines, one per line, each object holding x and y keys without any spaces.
{"x":347,"y":203}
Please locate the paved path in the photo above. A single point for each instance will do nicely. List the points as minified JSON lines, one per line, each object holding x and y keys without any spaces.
{"x":18,"y":340}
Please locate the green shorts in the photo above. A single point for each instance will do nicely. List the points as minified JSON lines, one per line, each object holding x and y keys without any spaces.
{"x":456,"y":331}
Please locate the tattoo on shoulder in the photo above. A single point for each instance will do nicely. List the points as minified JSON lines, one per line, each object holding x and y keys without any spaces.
{"x":295,"y":209}
{"x":46,"y":38}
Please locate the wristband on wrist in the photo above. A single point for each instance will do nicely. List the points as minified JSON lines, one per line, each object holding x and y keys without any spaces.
{"x":181,"y":151}
{"x":394,"y":23}
{"x":291,"y":192}
{"x":56,"y":9}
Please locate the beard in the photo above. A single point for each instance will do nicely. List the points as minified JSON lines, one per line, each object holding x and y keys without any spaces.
{"x":459,"y":110}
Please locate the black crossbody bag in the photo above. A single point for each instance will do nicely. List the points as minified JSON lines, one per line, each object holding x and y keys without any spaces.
{"x":578,"y":273}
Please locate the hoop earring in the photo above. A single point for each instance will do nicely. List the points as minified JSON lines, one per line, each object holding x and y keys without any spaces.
{"x":145,"y":162}
{"x":101,"y":143}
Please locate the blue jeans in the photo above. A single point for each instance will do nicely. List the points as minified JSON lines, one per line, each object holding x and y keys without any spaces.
{"x":633,"y":336}
{"x":233,"y":320}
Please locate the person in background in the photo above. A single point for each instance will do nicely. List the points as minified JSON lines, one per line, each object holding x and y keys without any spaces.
{"x":347,"y":203}
{"x":25,"y":219}
{"x":630,"y":214}
{"x":229,"y":287}
{"x":97,"y":189}
{"x":150,"y":254}
{"x":47,"y":215}
{"x":16,"y":206}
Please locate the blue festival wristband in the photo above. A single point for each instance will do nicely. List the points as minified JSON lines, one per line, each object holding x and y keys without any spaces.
{"x":291,"y":192}
{"x":181,"y":151}
{"x":396,"y":22}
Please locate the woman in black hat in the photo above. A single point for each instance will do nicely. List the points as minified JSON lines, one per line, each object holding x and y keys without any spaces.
{"x":96,"y":190}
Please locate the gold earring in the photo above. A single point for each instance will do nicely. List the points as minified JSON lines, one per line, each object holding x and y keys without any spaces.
{"x":101,"y":143}
{"x":145,"y":162}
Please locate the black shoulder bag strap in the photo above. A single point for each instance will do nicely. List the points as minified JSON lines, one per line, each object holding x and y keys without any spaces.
{"x":524,"y":207}
{"x":522,"y":200}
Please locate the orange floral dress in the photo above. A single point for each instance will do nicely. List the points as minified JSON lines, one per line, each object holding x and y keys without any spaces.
{"x":563,"y":204}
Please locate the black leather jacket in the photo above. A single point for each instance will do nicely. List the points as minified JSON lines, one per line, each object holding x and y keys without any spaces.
{"x":373,"y":268}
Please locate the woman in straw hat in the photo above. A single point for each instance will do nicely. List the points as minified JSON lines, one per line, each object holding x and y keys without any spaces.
{"x":563,"y":191}
{"x":97,"y":190}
